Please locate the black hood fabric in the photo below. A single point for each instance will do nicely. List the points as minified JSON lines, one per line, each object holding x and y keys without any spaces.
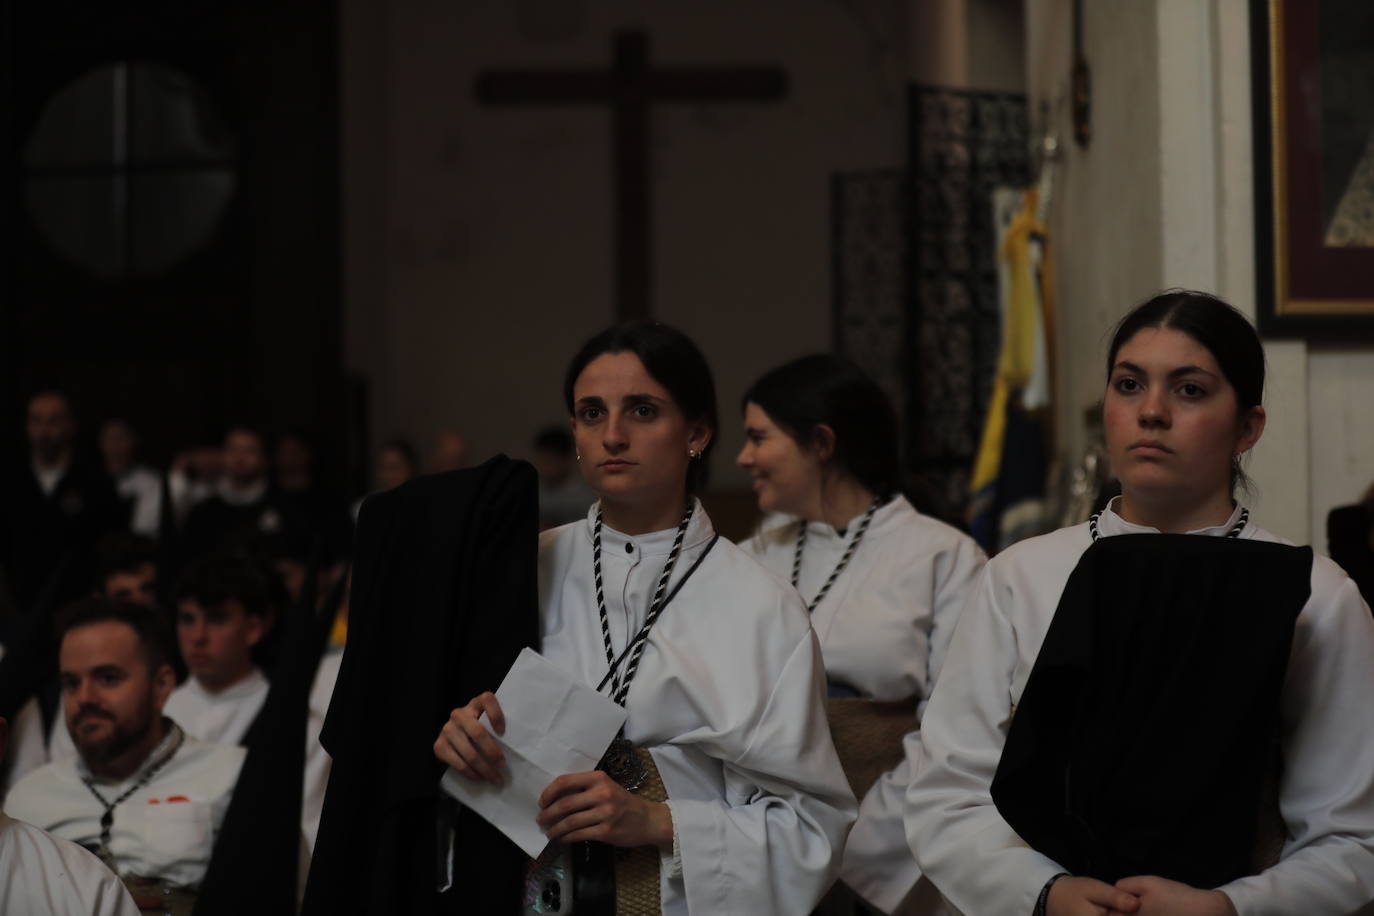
{"x":1148,"y":728}
{"x":444,"y":598}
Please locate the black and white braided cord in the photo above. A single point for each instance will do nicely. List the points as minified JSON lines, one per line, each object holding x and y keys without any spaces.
{"x":844,"y":558}
{"x":620,"y":682}
{"x":1235,"y":531}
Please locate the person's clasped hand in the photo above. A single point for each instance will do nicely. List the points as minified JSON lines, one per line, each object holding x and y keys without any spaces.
{"x":1143,"y":895}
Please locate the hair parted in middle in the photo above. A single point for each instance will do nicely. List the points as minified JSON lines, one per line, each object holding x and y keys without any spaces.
{"x":674,"y":361}
{"x":1218,"y":326}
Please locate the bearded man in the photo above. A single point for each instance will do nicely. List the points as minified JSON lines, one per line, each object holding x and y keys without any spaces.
{"x":141,"y":794}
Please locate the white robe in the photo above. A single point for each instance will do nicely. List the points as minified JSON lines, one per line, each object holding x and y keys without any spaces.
{"x":317,"y":759}
{"x":1326,"y":798}
{"x":883,"y":627}
{"x":60,"y":743}
{"x":223,"y":717}
{"x":43,"y":875}
{"x":142,"y":487}
{"x":728,"y":698}
{"x":28,"y":748}
{"x":164,"y":830}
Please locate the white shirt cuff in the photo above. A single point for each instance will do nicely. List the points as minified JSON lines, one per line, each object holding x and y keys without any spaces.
{"x":672,"y":864}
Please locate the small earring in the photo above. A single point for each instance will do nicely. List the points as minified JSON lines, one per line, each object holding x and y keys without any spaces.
{"x":693,"y":453}
{"x":578,"y":455}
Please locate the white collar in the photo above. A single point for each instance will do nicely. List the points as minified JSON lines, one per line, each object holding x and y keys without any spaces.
{"x":246,"y":496}
{"x":49,"y":478}
{"x":1109,"y":523}
{"x":244,"y":686}
{"x":655,"y":543}
{"x":888,"y":510}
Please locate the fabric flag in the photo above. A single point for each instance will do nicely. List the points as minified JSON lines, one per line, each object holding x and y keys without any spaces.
{"x":1007,"y":488}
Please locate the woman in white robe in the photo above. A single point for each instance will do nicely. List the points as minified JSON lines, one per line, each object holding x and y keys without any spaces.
{"x":728,"y":693}
{"x":1185,"y":379}
{"x":883,"y":582}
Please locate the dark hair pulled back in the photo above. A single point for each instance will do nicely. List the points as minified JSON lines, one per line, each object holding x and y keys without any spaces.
{"x":1215,"y":324}
{"x":674,"y":361}
{"x":827,"y":390}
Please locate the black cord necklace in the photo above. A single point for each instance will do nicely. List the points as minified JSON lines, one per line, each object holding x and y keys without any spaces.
{"x":620,"y":762}
{"x":1235,"y":531}
{"x":149,"y":771}
{"x":620,"y":684}
{"x":844,"y":559}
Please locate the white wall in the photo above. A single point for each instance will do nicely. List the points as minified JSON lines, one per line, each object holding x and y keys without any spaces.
{"x":1105,"y":217}
{"x":1163,"y":197}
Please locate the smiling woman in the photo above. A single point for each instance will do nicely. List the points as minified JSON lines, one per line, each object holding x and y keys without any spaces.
{"x":724,"y":780}
{"x":1164,"y":709}
{"x":883,"y":582}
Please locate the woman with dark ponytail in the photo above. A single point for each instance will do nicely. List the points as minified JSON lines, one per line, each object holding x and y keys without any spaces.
{"x":724,"y":777}
{"x":883,"y":583}
{"x":1166,"y":709}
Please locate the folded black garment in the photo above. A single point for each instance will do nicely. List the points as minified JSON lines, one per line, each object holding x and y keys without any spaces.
{"x":1148,"y":728}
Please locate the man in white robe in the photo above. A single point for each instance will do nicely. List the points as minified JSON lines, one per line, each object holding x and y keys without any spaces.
{"x":42,"y":874}
{"x":140,"y":792}
{"x":138,"y":486}
{"x":221,"y":614}
{"x":126,"y":570}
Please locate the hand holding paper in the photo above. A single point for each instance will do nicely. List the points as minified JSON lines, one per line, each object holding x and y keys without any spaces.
{"x":554,"y":725}
{"x":466,"y":744}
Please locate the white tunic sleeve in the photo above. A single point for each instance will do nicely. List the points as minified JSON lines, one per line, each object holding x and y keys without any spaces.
{"x":955,"y":577}
{"x":41,"y":873}
{"x":960,"y":839}
{"x":772,"y":843}
{"x":877,"y":860}
{"x":1327,"y":793}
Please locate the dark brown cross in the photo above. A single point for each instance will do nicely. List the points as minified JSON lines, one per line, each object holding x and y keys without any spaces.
{"x":630,"y":87}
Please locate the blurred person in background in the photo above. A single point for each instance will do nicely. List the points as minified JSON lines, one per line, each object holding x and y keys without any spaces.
{"x":450,"y":452}
{"x":138,"y":486}
{"x":1350,"y":541}
{"x":397,"y":462}
{"x":193,"y":478}
{"x":563,"y":493}
{"x":223,"y":612}
{"x":141,"y":794}
{"x":55,"y":508}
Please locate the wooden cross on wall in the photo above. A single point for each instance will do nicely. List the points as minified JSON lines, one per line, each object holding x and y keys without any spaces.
{"x":630,"y":86}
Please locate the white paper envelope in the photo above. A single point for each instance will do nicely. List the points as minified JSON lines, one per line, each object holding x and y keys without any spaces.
{"x":554,"y":725}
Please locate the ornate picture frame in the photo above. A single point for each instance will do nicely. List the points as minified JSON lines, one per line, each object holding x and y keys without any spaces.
{"x":1313,"y":97}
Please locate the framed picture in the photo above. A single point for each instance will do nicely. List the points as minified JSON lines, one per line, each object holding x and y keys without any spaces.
{"x":1313,"y":85}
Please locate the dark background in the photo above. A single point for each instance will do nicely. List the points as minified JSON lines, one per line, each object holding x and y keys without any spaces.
{"x":246,"y":327}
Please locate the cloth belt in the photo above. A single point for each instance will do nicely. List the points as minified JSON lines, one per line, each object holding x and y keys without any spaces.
{"x":152,"y":895}
{"x":868,"y":737}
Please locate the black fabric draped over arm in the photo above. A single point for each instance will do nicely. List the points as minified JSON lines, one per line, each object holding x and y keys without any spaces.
{"x":444,"y":597}
{"x":1149,"y":725}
